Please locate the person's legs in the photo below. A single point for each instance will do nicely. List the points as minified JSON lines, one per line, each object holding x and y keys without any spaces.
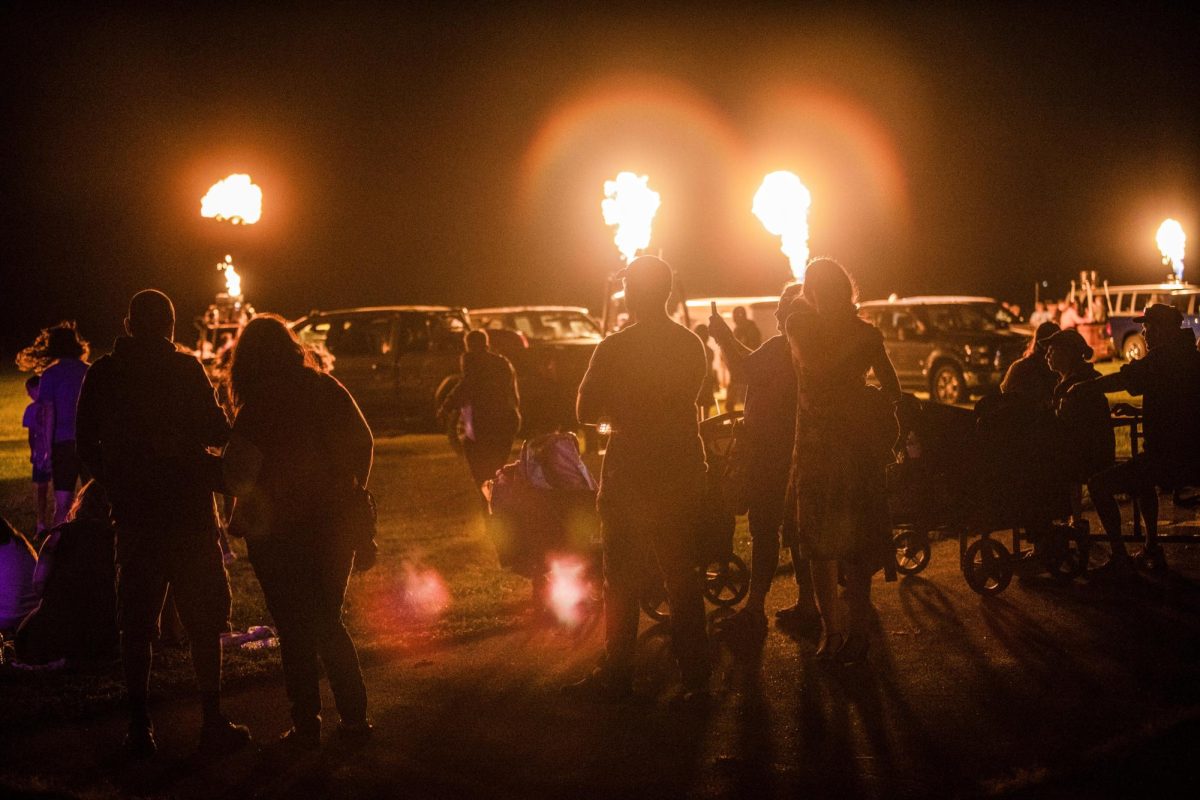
{"x":858,"y":598}
{"x":764,"y":518}
{"x":141,"y":591}
{"x":64,"y":464}
{"x":1103,"y":488}
{"x":333,"y":641}
{"x":624,"y":572}
{"x":825,"y":582}
{"x":41,"y":502}
{"x":673,"y":532}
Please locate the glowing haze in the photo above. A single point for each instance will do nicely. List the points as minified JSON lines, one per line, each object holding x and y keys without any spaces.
{"x":235,"y":199}
{"x":233,"y":281}
{"x":781,"y":204}
{"x":1171,"y":241}
{"x":630,"y":204}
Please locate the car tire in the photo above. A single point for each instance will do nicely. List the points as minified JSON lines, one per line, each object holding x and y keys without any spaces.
{"x":947,"y":384}
{"x":1134,"y":347}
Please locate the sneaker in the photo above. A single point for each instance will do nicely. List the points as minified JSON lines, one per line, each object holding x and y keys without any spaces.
{"x":599,"y":686}
{"x":220,"y":737}
{"x":301,"y":738}
{"x":139,"y":743}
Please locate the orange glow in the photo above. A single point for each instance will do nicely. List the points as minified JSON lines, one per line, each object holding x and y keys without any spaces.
{"x":1171,"y":243}
{"x":235,"y":199}
{"x":782,"y":204}
{"x":630,"y":204}
{"x":423,"y":593}
{"x":567,"y":590}
{"x":233,"y":281}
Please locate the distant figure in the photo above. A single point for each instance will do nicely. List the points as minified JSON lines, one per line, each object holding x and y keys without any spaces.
{"x":844,"y":434}
{"x":1030,"y":377}
{"x":1071,"y":317}
{"x":299,"y":450}
{"x":706,"y":400}
{"x":490,"y":404}
{"x":34,"y":420}
{"x":746,"y":332}
{"x":643,"y":380}
{"x":1168,"y":378}
{"x":17,"y":562}
{"x":147,"y":414}
{"x":61,"y":358}
{"x":1040,"y":314}
{"x":1085,"y":416}
{"x":765,"y":450}
{"x":76,"y":616}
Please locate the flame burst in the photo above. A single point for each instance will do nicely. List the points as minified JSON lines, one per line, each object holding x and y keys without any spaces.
{"x":781,"y":204}
{"x":235,"y":199}
{"x":1171,"y":241}
{"x":630,"y":204}
{"x":233,"y":281}
{"x":567,"y":590}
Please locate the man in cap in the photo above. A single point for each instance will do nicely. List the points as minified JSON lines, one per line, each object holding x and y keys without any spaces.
{"x":147,"y":414}
{"x":1169,"y":380}
{"x":644,"y":380}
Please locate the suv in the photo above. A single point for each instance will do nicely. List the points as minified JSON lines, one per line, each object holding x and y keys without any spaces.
{"x":1126,"y":302}
{"x":550,"y":348}
{"x":396,"y":360}
{"x":948,"y":346}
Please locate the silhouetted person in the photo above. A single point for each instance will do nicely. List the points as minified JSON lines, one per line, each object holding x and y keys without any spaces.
{"x":33,"y":420}
{"x":844,"y":434}
{"x":1087,"y":426}
{"x":147,"y":414}
{"x":1030,"y":377}
{"x":765,"y":451}
{"x":61,"y":356}
{"x":488,"y":399}
{"x":1168,"y":379}
{"x":746,"y":332}
{"x":644,"y":380}
{"x":299,"y":448}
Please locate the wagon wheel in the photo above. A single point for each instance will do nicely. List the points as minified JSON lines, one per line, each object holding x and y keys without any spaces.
{"x":726,"y":581}
{"x":654,"y":602}
{"x":1066,"y":553}
{"x":987,"y":567}
{"x":912,"y":550}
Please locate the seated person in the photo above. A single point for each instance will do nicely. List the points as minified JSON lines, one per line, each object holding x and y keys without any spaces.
{"x":75,"y":578}
{"x":17,"y":562}
{"x":1168,"y":379}
{"x":1030,"y":376}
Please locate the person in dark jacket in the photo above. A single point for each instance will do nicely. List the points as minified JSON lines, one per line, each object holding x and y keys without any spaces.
{"x":1030,"y":377}
{"x":488,"y":399}
{"x":765,"y":449}
{"x":299,"y":454}
{"x":146,"y":418}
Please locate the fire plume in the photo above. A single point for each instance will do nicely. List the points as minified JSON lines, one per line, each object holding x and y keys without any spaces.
{"x":1171,"y":243}
{"x":630,"y":204}
{"x":235,"y":199}
{"x":233,"y":281}
{"x":781,"y":204}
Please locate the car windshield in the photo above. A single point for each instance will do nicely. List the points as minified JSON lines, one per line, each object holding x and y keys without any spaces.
{"x":554,"y":325}
{"x":966,"y":317}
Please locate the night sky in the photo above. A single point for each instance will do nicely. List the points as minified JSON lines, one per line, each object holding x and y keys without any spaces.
{"x":456,"y":155}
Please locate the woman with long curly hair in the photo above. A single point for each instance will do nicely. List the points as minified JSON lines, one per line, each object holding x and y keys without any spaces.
{"x":844,"y":433}
{"x":299,"y":450}
{"x":59,"y":355}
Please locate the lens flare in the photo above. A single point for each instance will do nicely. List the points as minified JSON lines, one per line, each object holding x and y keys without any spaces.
{"x":781,"y":204}
{"x":233,"y":281}
{"x":235,"y":199}
{"x":568,"y":590}
{"x":630,"y":204}
{"x":423,"y":593}
{"x":1171,"y":242}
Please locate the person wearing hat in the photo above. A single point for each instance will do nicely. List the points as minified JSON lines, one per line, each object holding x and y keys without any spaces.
{"x":1090,"y":443}
{"x":644,"y":380}
{"x":1168,"y":379}
{"x":1029,"y":376}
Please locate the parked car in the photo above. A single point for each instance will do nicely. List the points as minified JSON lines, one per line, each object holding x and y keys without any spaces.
{"x":952,"y":347}
{"x":550,"y":348}
{"x":1126,"y":302}
{"x":397,"y":361}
